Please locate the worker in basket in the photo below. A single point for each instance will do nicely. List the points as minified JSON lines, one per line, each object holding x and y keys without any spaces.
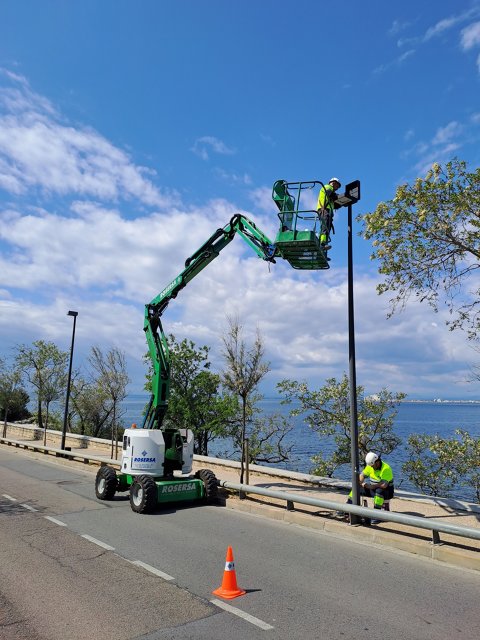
{"x":326,"y":206}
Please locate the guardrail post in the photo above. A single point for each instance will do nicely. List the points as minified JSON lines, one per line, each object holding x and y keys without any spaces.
{"x":435,"y":537}
{"x":290,"y":505}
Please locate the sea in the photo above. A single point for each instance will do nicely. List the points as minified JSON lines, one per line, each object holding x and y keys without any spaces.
{"x":422,"y":417}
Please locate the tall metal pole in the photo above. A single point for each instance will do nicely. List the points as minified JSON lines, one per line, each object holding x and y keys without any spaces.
{"x":65,"y":417}
{"x":354,"y":519}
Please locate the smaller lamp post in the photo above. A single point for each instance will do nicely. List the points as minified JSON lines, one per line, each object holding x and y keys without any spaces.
{"x":74,"y":314}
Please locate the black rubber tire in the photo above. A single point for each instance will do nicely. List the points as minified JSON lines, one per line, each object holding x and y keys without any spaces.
{"x":143,"y":494}
{"x":106,"y":483}
{"x":209,"y":482}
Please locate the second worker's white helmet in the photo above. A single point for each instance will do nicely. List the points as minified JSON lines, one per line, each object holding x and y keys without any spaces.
{"x":371,"y":458}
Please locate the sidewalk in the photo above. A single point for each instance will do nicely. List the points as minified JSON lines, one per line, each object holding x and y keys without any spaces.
{"x":452,"y":549}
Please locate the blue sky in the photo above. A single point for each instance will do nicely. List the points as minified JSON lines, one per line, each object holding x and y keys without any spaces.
{"x":130,"y":131}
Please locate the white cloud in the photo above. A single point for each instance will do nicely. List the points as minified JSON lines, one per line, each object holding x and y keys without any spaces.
{"x":397,"y":27}
{"x":445,"y":134}
{"x":203,"y":145}
{"x":17,"y":96}
{"x":447,"y":23}
{"x":445,"y":143}
{"x":37,"y":150}
{"x":470,"y":36}
{"x":233,"y":178}
{"x":441,"y":26}
{"x":261,"y":197}
{"x":397,"y":62}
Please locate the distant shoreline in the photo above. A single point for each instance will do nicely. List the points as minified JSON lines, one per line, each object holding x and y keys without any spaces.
{"x":440,"y":401}
{"x":145,"y":397}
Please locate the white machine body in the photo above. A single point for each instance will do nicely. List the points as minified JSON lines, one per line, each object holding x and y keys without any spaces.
{"x":144,"y":451}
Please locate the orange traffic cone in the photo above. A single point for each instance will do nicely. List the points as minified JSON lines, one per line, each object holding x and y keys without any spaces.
{"x":229,"y":588}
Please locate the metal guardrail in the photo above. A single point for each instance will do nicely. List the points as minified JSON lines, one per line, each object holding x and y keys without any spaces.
{"x":290,"y":498}
{"x":60,"y":453}
{"x":423,"y":523}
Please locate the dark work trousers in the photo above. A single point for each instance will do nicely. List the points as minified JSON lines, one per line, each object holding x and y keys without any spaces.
{"x":379,"y":495}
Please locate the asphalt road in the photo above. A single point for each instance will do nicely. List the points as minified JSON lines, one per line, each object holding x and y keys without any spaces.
{"x":74,"y":567}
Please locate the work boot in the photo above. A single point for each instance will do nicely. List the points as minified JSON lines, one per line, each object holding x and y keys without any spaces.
{"x":375,"y":520}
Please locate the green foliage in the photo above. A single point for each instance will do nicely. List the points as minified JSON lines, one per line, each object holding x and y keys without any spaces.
{"x":244,"y":369}
{"x":45,"y":368}
{"x":13,"y":398}
{"x":92,"y":408}
{"x":266,"y":439}
{"x":439,"y":466}
{"x":15,"y":407}
{"x":266,"y":435}
{"x":111,"y":377}
{"x":197,"y":401}
{"x":327,"y":412}
{"x":428,"y":243}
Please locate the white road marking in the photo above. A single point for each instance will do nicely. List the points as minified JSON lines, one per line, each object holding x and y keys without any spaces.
{"x":148,"y":567}
{"x":104,"y":545}
{"x":9,"y":497}
{"x":241,"y":614}
{"x":55,"y":521}
{"x":27,"y":506}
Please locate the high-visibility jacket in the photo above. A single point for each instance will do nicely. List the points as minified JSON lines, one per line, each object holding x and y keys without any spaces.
{"x":384,"y":474}
{"x":325,"y":198}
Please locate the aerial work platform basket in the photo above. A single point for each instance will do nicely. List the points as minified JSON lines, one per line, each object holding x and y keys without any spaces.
{"x":298,"y":239}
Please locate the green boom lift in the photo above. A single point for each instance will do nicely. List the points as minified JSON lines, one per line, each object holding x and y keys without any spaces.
{"x":156,"y":462}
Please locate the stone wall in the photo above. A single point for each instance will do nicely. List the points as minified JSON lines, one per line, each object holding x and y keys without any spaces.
{"x":54,"y":438}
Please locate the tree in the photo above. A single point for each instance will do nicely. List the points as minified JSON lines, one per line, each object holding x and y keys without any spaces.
{"x":45,"y":367}
{"x":267,"y":435}
{"x":196,"y":400}
{"x":438,"y":466}
{"x":428,"y":243}
{"x":91,"y":406}
{"x":244,"y":370}
{"x":13,"y":398}
{"x":113,"y":378}
{"x":327,"y":412}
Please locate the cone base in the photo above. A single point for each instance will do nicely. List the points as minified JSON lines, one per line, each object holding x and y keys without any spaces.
{"x":228,"y":594}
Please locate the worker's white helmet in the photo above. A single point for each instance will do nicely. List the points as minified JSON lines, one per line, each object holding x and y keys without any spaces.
{"x":335,"y":180}
{"x":371,"y":458}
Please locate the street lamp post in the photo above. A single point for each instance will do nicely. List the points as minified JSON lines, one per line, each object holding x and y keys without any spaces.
{"x":74,"y":314}
{"x":352,"y":375}
{"x":352,"y":195}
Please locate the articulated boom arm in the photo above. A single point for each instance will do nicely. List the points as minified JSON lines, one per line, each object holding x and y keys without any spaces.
{"x":156,"y":339}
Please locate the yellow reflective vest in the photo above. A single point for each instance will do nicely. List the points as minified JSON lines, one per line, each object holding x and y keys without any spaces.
{"x":325,"y":200}
{"x":384,"y":474}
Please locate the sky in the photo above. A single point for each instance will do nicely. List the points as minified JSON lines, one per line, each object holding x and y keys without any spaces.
{"x":131,"y":131}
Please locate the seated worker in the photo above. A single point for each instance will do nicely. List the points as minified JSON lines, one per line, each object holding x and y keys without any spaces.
{"x":376,"y":481}
{"x":325,"y":208}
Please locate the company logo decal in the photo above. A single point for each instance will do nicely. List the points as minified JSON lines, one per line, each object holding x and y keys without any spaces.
{"x":181,"y":486}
